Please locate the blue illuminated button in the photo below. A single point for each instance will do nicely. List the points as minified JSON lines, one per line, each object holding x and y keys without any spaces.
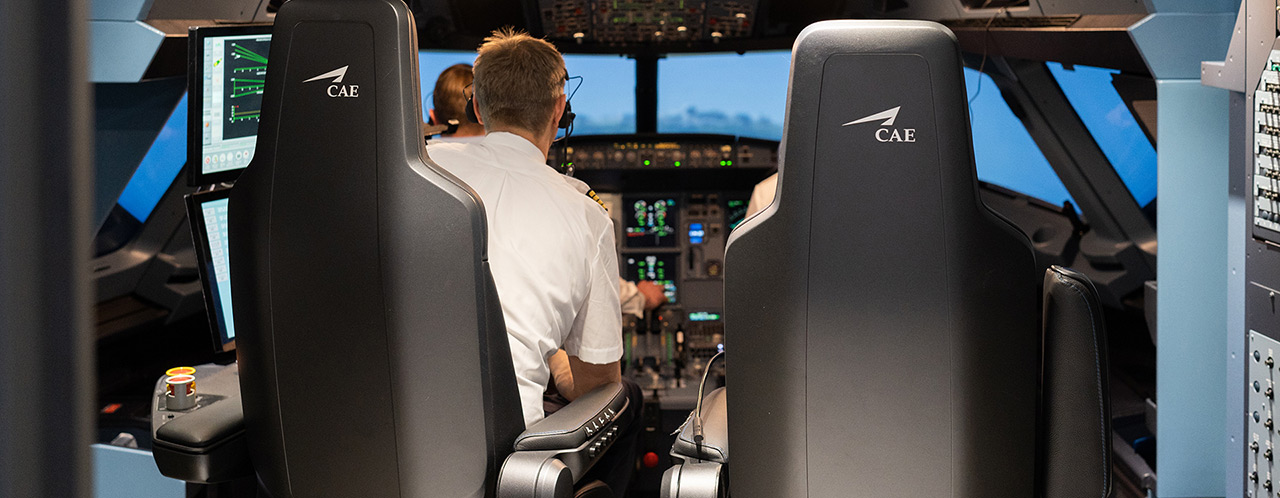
{"x":696,"y":233}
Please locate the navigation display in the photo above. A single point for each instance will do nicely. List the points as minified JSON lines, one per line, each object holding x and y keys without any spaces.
{"x":651,"y":221}
{"x":228,"y":76}
{"x":657,"y":268}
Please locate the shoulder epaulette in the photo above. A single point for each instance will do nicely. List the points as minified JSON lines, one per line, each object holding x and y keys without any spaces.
{"x":594,"y":197}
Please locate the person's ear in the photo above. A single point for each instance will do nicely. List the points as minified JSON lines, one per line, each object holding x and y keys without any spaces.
{"x":431,"y":115}
{"x":555,"y":123}
{"x":475,"y":106}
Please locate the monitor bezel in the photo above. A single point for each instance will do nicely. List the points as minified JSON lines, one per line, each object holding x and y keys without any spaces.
{"x":200,"y":238}
{"x":196,"y":177}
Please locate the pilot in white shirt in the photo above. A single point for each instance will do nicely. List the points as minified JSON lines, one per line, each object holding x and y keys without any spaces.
{"x":551,"y":248}
{"x":552,"y":253}
{"x":449,"y":100}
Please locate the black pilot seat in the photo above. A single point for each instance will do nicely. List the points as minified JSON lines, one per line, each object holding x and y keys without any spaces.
{"x":881,"y":320}
{"x":371,"y":352}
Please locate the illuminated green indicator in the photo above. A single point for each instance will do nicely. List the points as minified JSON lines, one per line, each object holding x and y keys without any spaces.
{"x":677,"y":164}
{"x":722,"y":163}
{"x":703,"y":316}
{"x":646,"y":162}
{"x":728,"y":163}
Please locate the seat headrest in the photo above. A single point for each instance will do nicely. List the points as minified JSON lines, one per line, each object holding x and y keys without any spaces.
{"x":347,"y":74}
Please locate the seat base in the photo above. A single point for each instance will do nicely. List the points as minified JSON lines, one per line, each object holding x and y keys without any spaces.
{"x":694,"y":480}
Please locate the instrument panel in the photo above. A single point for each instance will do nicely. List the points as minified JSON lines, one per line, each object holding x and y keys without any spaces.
{"x":640,"y":152}
{"x":673,"y":199}
{"x":646,"y":21}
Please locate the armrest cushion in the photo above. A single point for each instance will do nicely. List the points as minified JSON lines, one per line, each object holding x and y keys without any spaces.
{"x":715,"y":432}
{"x":572,"y":425}
{"x":208,"y":426}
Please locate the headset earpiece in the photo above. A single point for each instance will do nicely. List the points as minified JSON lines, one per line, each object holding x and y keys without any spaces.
{"x":471,"y":111}
{"x":566,"y":119}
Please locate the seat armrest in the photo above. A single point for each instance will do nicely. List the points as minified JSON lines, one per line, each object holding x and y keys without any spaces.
{"x":557,"y":451}
{"x":714,"y":446}
{"x":575,"y":423}
{"x":204,"y":444}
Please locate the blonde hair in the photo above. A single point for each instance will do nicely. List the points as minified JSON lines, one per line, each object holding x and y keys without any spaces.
{"x":518,"y":80}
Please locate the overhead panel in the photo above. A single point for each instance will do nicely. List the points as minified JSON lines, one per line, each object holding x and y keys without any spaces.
{"x":646,"y":22}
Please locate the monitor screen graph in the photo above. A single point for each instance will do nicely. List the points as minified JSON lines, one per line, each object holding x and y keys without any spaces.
{"x":230,"y":73}
{"x":651,"y":222}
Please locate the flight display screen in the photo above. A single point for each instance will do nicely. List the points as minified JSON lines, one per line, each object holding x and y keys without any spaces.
{"x":230,"y":73}
{"x":208,"y":211}
{"x":651,"y":221}
{"x":657,"y":268}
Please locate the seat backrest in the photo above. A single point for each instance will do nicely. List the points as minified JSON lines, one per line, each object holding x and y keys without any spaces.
{"x":1075,"y":398}
{"x":880,"y":320}
{"x":373,"y":357}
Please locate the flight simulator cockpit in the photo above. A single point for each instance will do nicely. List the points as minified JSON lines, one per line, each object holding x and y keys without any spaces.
{"x":966,"y":248}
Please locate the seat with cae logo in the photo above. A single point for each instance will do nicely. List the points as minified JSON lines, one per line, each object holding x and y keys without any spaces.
{"x":373,"y":359}
{"x":881,"y":323}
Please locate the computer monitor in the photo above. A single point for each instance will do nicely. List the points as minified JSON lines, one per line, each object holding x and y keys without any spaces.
{"x":208,"y":214}
{"x":657,"y":268}
{"x":651,"y":221}
{"x":227,"y":72}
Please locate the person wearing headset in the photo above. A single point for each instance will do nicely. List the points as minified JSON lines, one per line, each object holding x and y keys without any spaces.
{"x":551,"y":248}
{"x":449,"y":99}
{"x":449,"y":102}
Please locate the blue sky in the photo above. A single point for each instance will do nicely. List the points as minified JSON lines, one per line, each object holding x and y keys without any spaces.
{"x":1112,"y":125}
{"x":1003,"y":150}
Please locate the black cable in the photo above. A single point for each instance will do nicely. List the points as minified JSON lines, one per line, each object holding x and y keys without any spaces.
{"x":564,"y":141}
{"x":697,"y":413}
{"x":986,"y":36}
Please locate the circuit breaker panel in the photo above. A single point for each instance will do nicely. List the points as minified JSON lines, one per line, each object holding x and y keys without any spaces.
{"x":1255,"y":176}
{"x":1266,"y":152}
{"x":1260,"y":461}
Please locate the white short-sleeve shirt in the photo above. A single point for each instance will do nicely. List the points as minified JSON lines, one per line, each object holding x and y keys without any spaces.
{"x":552,"y":254}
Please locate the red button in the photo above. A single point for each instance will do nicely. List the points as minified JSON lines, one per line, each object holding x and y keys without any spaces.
{"x":650,"y":460}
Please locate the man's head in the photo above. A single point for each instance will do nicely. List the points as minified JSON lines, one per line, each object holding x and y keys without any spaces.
{"x":519,"y":84}
{"x":449,"y":99}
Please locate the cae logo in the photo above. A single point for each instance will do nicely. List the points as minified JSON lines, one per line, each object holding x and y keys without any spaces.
{"x":886,"y":134}
{"x":336,"y":91}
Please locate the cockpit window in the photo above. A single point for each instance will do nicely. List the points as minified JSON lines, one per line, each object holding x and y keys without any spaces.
{"x":1113,"y":127}
{"x":744,"y":95}
{"x":159,"y":167}
{"x":605,"y":101}
{"x":1003,"y":150}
